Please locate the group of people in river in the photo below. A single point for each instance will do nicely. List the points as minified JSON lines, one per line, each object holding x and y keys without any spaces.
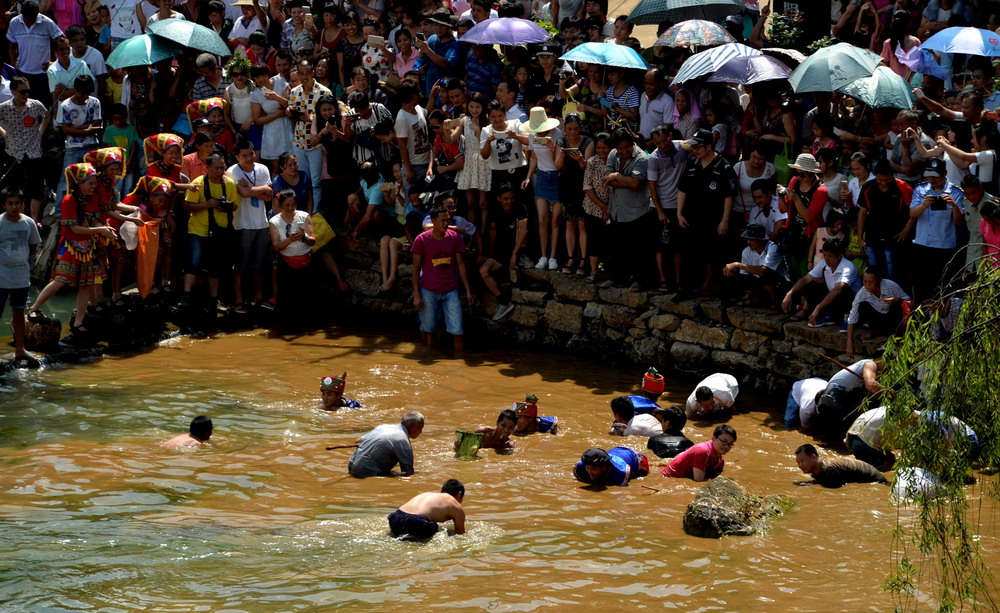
{"x":831,"y":412}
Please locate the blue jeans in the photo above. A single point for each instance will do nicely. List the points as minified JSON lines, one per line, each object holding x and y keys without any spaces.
{"x":435,"y":305}
{"x":791,"y":412}
{"x":311,"y":161}
{"x":72,"y":156}
{"x":866,"y":453}
{"x":884,"y":255}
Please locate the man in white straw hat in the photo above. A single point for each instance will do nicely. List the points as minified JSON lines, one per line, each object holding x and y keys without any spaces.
{"x":542,"y":136}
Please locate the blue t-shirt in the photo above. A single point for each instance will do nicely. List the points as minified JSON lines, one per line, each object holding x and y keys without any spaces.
{"x":625,"y":464}
{"x":450,"y":51}
{"x":16,"y":239}
{"x":301,"y":190}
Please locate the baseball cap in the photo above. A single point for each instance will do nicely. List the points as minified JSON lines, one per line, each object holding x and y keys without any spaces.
{"x":701,"y":137}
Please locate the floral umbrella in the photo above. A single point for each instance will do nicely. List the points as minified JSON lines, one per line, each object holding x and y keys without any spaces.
{"x":695,"y":33}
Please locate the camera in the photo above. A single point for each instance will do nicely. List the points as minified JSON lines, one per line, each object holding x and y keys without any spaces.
{"x":226,"y":206}
{"x":352,"y":116}
{"x":938,"y":204}
{"x":421,"y":36}
{"x":565,"y":74}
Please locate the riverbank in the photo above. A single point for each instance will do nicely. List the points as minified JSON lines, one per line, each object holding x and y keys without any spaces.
{"x":564,"y":313}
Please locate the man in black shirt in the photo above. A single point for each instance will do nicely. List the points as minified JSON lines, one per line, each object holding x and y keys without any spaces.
{"x":834,"y":472}
{"x":884,"y":223}
{"x":704,"y":203}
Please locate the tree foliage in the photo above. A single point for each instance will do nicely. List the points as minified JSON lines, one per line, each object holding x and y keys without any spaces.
{"x":937,"y":554}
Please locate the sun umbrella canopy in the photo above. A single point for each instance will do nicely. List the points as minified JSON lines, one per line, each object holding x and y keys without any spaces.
{"x":971,"y":41}
{"x":747,"y":69}
{"x":922,"y":61}
{"x":707,"y":62}
{"x":506,"y":31}
{"x":655,"y":11}
{"x":695,"y":33}
{"x":606,"y":54}
{"x":884,"y":89}
{"x":832,"y":67}
{"x":789,"y":57}
{"x":142,"y":50}
{"x":191,"y":35}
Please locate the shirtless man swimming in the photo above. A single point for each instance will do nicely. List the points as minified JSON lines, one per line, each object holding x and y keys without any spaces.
{"x":200,"y":432}
{"x":420,"y":516}
{"x":499,"y":437}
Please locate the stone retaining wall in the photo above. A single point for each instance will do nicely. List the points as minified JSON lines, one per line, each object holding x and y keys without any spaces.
{"x":614,"y":326}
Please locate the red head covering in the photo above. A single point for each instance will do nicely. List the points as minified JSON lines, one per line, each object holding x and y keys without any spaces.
{"x":201,"y":108}
{"x":102,"y":158}
{"x":78,"y":173}
{"x":156,"y":145}
{"x":147,"y":186}
{"x":528,"y":407}
{"x":334,"y":382}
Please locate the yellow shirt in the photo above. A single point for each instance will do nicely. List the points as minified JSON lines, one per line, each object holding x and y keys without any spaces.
{"x":198,"y":224}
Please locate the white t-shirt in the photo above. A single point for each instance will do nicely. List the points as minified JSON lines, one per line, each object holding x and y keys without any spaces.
{"x":724,"y":387}
{"x":505,"y":153}
{"x":770,"y":218}
{"x":95,"y":61}
{"x":124,"y":20}
{"x":252,"y":213}
{"x":285,"y":228}
{"x":804,"y":394}
{"x":854,"y":186}
{"x":983,"y":166}
{"x":643,"y":425}
{"x":845,"y":273}
{"x":743,"y":201}
{"x":413,"y":127}
{"x":868,"y":427}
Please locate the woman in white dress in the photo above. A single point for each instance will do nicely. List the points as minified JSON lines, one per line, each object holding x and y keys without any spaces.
{"x":268,"y":102}
{"x":475,"y":176}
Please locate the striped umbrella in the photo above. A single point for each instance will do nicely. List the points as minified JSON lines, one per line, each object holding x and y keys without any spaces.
{"x":710,"y":61}
{"x":655,"y":11}
{"x":695,"y":33}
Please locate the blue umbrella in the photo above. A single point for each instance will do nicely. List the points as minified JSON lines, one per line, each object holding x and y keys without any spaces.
{"x":707,"y":62}
{"x":747,"y":69}
{"x":884,"y":89}
{"x":971,"y":41}
{"x":655,"y":11}
{"x":506,"y":31}
{"x":606,"y":54}
{"x":142,"y":50}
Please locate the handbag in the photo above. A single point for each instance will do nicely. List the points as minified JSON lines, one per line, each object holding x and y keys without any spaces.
{"x":572,"y":107}
{"x":298,"y":262}
{"x":782,"y":173}
{"x":322,"y":231}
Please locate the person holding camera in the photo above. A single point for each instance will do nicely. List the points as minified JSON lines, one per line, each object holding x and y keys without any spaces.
{"x":211,"y":248}
{"x":936,"y":207}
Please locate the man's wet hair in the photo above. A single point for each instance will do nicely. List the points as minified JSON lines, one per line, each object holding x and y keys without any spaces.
{"x":453,"y":487}
{"x":622,"y":407}
{"x":506,"y":414}
{"x":724,"y":429}
{"x":673,"y":415}
{"x":201,"y":428}
{"x":807,"y":449}
{"x":703,"y":393}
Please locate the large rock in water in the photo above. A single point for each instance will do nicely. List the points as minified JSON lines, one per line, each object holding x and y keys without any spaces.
{"x":724,"y":508}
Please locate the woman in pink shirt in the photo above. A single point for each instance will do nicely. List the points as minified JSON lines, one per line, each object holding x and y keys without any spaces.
{"x":404,"y":58}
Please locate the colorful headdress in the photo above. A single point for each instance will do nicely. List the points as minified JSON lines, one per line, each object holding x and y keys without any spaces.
{"x":156,"y":145}
{"x":529,"y":407}
{"x":653,"y":381}
{"x":78,"y":173}
{"x":147,"y":186}
{"x":201,"y":108}
{"x":102,"y":158}
{"x":334,"y":383}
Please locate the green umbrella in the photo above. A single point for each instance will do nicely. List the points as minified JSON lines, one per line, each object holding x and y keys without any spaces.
{"x":832,"y":67}
{"x":190,"y":35}
{"x":142,"y":50}
{"x":884,"y":89}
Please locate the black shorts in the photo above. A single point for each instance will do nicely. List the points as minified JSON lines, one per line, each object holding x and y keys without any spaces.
{"x":407,"y":524}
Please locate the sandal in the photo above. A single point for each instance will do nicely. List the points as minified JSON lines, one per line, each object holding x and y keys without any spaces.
{"x":799,"y":316}
{"x":581,"y":270}
{"x":590,"y":278}
{"x":240,"y":309}
{"x":568,"y":267}
{"x":267,"y":305}
{"x":35,"y":316}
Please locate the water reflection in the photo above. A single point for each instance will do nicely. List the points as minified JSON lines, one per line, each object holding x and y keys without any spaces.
{"x":95,"y":515}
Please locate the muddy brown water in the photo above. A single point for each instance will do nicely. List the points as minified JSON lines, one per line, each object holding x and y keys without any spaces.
{"x":95,"y":516}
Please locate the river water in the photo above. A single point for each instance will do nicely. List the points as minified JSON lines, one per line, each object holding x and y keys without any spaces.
{"x":95,"y":516}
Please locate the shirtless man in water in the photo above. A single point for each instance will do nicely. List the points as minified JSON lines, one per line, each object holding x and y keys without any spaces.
{"x":420,"y":516}
{"x":499,"y":437}
{"x":200,"y":432}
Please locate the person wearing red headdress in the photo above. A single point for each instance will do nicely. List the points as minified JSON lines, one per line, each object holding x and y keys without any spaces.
{"x":331,"y":390}
{"x":528,"y":421}
{"x":77,"y":262}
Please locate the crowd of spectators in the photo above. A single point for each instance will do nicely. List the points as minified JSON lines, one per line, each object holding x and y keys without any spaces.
{"x":374,"y":116}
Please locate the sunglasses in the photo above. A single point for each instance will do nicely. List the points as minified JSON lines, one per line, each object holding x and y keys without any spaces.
{"x":24,"y":92}
{"x":238,"y":74}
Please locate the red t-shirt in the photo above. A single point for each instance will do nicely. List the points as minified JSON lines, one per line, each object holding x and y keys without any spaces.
{"x":815,"y":205}
{"x":155,"y":170}
{"x":72,"y":214}
{"x":700,"y":456}
{"x":438,"y":272}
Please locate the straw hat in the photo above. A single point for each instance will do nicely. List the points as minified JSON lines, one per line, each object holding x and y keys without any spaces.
{"x":243,"y":3}
{"x":806,"y":163}
{"x":538,"y":121}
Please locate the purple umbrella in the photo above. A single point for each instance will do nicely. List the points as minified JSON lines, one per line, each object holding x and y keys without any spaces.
{"x":748,"y":69}
{"x":506,"y":31}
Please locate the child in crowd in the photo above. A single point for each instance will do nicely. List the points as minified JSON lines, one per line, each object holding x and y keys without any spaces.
{"x":123,"y":134}
{"x":18,"y":239}
{"x":833,"y":227}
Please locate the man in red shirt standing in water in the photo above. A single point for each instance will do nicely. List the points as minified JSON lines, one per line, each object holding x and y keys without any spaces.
{"x":436,"y":254}
{"x":703,"y":461}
